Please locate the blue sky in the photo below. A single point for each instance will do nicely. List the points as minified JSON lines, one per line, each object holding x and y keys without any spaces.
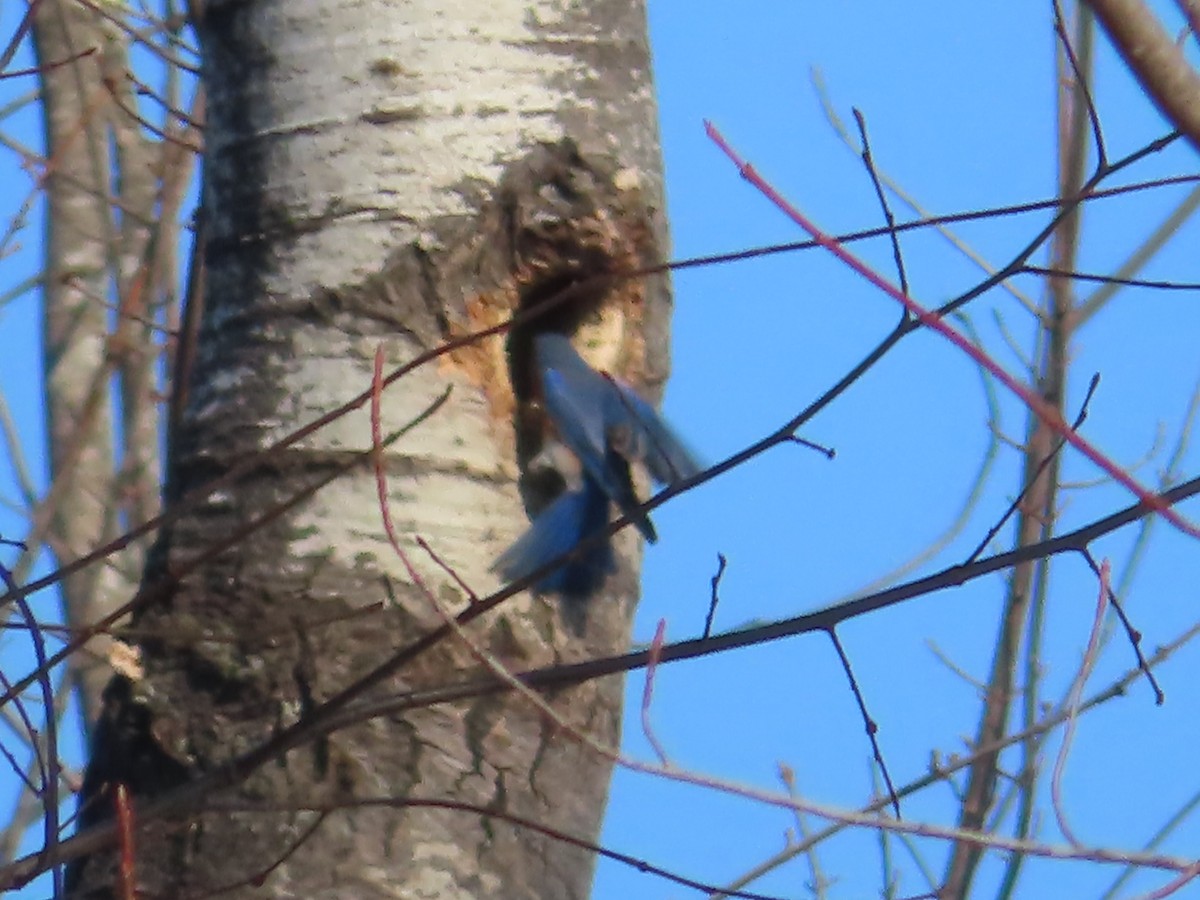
{"x":958,"y":99}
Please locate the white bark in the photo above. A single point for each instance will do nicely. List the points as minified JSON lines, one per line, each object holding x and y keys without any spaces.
{"x":395,"y":174}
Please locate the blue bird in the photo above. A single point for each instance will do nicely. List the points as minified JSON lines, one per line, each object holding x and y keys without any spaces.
{"x":576,"y":514}
{"x":606,"y":426}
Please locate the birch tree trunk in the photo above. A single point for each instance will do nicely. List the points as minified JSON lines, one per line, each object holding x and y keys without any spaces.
{"x":397,"y":175}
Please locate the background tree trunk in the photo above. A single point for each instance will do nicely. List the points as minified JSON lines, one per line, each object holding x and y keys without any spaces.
{"x":383,"y":174}
{"x":87,"y":141}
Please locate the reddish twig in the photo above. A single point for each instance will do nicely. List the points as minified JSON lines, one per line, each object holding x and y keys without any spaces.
{"x":934,"y":321}
{"x":648,"y":692}
{"x":126,"y":887}
{"x":448,"y":569}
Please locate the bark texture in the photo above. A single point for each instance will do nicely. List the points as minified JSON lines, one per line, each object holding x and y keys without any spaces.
{"x":392,"y":174}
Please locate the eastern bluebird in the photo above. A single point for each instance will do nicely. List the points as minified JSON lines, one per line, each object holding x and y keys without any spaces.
{"x":605,"y":425}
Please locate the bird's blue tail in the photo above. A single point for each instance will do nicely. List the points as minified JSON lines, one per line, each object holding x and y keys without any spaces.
{"x":560,"y":527}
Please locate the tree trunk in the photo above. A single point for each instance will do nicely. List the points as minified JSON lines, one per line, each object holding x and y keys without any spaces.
{"x":395,"y":175}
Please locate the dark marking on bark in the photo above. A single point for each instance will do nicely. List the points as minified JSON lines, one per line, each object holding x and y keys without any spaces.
{"x":123,"y":752}
{"x":305,"y":672}
{"x":386,"y":67}
{"x":481,"y":717}
{"x":390,"y":116}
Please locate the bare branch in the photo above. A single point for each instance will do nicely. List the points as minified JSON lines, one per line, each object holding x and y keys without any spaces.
{"x":1156,"y":61}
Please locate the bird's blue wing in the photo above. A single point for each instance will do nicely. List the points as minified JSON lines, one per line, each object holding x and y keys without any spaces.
{"x":577,"y":400}
{"x":649,"y":437}
{"x":573,"y":516}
